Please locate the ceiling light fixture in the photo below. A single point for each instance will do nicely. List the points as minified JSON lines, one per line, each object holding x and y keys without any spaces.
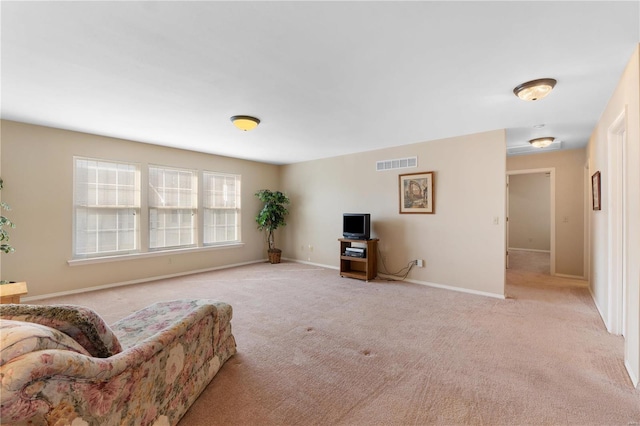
{"x":535,"y":89}
{"x":541,"y":142}
{"x":245,"y":122}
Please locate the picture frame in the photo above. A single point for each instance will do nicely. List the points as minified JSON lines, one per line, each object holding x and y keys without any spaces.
{"x":595,"y":191}
{"x":417,"y":194}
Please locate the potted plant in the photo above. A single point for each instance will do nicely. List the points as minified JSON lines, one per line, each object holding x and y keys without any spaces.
{"x":271,"y":217}
{"x":10,"y":292}
{"x":5,"y":247}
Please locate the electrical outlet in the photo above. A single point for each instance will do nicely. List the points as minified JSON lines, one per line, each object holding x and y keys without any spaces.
{"x":419,"y":263}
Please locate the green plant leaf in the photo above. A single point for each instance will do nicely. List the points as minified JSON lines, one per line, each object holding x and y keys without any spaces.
{"x":272,"y":215}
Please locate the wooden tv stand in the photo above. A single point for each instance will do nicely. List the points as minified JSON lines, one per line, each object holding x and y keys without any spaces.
{"x":362,"y":268}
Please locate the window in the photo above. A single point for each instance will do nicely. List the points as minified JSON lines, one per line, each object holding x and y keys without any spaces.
{"x":221,"y":205}
{"x":106,"y":202}
{"x":172,"y":207}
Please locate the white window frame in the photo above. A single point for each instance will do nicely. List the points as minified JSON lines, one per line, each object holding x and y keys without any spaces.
{"x":224,"y":201}
{"x":174,"y":207}
{"x":140,"y":207}
{"x":92,"y":208}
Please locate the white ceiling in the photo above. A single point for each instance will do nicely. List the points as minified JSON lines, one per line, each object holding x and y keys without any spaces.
{"x":325,"y":78}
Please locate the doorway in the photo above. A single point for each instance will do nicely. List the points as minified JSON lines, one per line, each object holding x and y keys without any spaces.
{"x":531,"y":220}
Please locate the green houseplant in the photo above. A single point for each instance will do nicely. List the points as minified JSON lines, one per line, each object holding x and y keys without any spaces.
{"x":10,"y":292}
{"x":5,"y":247}
{"x":271,"y":217}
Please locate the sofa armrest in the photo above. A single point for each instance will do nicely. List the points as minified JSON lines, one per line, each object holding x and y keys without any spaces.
{"x":148,"y":322}
{"x":82,"y":324}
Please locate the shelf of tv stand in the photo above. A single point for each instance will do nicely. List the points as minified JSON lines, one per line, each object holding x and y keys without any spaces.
{"x":362,"y":268}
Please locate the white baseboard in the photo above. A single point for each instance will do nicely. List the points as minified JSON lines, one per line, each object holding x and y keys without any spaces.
{"x":429,"y":284}
{"x":528,"y":249}
{"x":311,"y":263}
{"x":600,"y":311}
{"x":574,"y":277}
{"x":453,"y":288}
{"x":632,"y":375}
{"x":139,"y":281}
{"x":180,"y":274}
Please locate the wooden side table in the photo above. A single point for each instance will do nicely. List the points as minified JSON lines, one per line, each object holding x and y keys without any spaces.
{"x":10,"y":293}
{"x":362,"y":268}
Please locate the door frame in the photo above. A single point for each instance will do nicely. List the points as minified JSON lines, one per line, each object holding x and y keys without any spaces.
{"x":552,"y":210}
{"x":617,"y":223}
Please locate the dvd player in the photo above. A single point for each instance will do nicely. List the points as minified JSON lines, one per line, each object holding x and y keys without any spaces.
{"x":355,"y":251}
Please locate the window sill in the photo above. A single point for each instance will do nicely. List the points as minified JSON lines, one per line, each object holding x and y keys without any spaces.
{"x":118,"y":258}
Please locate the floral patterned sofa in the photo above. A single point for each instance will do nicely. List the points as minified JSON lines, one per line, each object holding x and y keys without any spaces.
{"x":62,"y":365}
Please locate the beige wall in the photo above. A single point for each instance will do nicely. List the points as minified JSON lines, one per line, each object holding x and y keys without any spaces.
{"x":37,"y":168}
{"x":529,"y":214}
{"x":461,"y":245}
{"x":569,"y":203}
{"x":625,"y":97}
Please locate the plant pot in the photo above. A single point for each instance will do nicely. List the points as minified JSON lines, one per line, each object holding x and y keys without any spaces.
{"x":274,"y":255}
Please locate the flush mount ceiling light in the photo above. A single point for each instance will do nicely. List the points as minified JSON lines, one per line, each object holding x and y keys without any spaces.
{"x":541,"y":142}
{"x":245,"y":122}
{"x":535,"y":89}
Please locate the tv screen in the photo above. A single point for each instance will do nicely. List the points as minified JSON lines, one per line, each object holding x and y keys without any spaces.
{"x":356,"y":226}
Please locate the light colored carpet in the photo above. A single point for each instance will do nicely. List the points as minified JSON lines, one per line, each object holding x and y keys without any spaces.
{"x":533,"y":261}
{"x":317,"y":349}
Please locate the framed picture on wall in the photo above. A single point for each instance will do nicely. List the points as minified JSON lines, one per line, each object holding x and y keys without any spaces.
{"x":595,"y":190}
{"x":416,"y":193}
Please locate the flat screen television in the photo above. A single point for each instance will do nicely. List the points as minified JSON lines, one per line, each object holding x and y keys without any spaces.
{"x":356,"y":226}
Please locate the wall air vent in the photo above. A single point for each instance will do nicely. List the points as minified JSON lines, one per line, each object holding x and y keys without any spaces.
{"x":398,"y":163}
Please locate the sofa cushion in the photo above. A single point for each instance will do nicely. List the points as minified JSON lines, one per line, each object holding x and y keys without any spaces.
{"x":82,"y":324}
{"x":19,"y":338}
